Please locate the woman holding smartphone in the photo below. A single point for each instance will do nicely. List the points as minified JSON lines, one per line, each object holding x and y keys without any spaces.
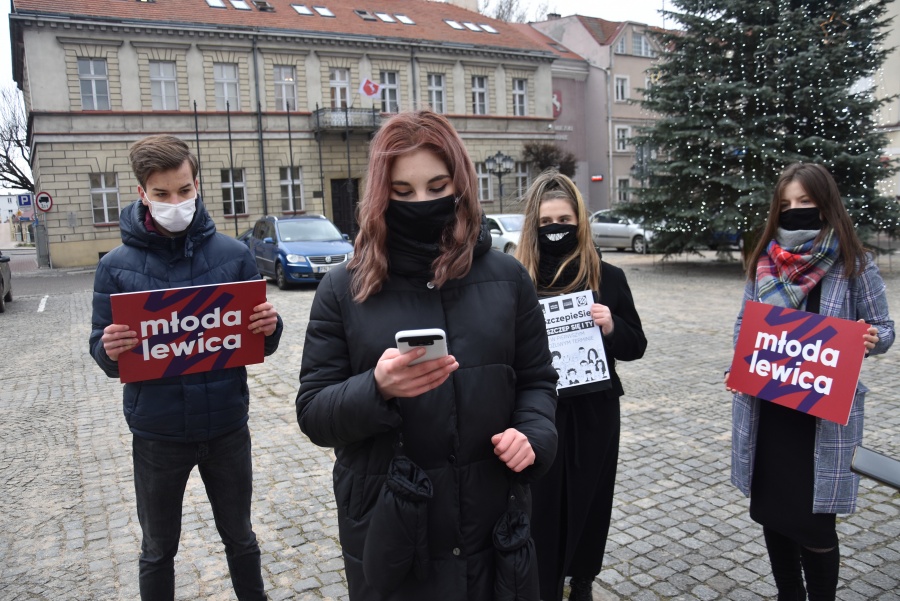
{"x":573,"y":501}
{"x":795,"y":467}
{"x":474,"y":425}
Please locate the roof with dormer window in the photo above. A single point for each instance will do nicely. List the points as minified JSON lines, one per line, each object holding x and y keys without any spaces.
{"x":419,"y":21}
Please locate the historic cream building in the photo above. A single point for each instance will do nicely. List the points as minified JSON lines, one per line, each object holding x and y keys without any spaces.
{"x":269,"y":94}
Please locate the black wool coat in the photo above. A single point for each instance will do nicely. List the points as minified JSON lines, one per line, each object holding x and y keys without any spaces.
{"x":572,"y":503}
{"x":496,"y":331}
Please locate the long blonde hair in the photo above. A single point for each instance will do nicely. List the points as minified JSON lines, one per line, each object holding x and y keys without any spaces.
{"x":551,"y":185}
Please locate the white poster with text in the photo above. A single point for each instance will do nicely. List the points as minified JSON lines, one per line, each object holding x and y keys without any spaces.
{"x":576,"y":343}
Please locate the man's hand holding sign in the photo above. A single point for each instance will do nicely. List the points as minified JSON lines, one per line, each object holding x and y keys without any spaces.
{"x":800,"y":360}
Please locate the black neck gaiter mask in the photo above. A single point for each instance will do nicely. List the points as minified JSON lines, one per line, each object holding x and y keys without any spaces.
{"x":558,"y":239}
{"x":800,"y":219}
{"x":423,"y":221}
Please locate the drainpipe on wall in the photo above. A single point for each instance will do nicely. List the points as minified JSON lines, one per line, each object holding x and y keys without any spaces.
{"x":259,"y":131}
{"x":415,"y":87}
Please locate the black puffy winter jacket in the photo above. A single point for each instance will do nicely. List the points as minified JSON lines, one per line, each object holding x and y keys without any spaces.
{"x":496,"y":331}
{"x":193,"y":407}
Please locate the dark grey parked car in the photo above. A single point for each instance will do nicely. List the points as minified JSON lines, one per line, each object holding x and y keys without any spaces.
{"x":5,"y":282}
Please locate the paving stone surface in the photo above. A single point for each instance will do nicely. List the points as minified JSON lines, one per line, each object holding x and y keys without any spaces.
{"x":68,"y":528}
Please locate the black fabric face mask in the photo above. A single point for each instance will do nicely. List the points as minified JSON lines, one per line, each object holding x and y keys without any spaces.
{"x":423,"y":221}
{"x":801,"y":219}
{"x":558,"y":239}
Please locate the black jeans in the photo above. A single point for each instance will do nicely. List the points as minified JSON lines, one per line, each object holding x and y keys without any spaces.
{"x":161,"y":471}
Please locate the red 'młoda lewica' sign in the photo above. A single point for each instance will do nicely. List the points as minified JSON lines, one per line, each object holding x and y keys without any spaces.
{"x":805,"y":361}
{"x":189,"y":330}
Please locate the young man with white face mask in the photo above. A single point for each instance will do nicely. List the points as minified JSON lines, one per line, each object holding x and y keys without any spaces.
{"x":170,"y":241}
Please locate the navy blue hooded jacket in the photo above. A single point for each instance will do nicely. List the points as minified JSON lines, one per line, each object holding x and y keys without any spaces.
{"x":193,"y":407}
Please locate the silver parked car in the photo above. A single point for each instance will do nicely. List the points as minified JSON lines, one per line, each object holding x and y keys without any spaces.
{"x":505,"y":229}
{"x":610,"y":229}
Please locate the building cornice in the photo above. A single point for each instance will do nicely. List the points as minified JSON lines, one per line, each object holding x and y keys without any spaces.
{"x":89,"y":41}
{"x":360,"y":43}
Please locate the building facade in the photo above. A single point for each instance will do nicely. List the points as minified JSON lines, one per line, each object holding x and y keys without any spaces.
{"x":886,"y":84}
{"x":269,"y":93}
{"x":619,"y":55}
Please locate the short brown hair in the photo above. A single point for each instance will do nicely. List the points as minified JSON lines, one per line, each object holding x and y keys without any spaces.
{"x":160,"y":153}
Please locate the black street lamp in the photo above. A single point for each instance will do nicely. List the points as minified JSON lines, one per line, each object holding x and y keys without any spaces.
{"x":500,"y":164}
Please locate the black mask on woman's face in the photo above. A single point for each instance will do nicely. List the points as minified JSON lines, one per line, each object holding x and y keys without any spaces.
{"x":801,"y":219}
{"x":558,"y":239}
{"x":424,"y":221}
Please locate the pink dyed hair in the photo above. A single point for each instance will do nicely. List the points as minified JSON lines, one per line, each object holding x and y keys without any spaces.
{"x":401,"y":134}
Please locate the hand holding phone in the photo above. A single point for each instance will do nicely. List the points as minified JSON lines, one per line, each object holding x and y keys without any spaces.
{"x":433,"y":340}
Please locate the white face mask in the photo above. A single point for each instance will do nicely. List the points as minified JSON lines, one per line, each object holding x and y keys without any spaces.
{"x":173,"y":217}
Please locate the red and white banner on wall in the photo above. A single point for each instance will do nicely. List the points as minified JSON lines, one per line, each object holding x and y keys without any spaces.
{"x":805,"y":361}
{"x":189,"y":330}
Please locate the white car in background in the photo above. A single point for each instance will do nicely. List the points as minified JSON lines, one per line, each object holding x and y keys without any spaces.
{"x":609,"y":229}
{"x":505,"y":229}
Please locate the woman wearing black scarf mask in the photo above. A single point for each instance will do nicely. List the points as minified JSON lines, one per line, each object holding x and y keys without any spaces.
{"x":457,"y":434}
{"x":796,"y":467}
{"x":573,"y":501}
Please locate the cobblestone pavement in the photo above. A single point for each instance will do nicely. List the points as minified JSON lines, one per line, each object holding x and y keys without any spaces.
{"x":68,"y":528}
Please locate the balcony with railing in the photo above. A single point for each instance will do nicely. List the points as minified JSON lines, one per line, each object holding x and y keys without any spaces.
{"x":339,"y":119}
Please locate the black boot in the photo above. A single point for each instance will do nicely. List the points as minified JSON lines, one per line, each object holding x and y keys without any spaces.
{"x":581,"y":589}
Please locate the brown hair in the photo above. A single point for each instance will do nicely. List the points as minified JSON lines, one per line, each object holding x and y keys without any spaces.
{"x":159,"y":153}
{"x":550,"y":185}
{"x":401,"y":134}
{"x":821,"y":188}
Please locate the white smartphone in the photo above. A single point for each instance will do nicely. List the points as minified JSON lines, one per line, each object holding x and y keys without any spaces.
{"x":433,"y":340}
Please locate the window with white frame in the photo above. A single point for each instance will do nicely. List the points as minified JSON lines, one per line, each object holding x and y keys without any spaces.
{"x":522,"y":177}
{"x":621,"y":45}
{"x":225,"y":76}
{"x":640,"y":45}
{"x":623,"y":192}
{"x":436,"y":92}
{"x":105,"y":197}
{"x":339,"y":84}
{"x":623,"y":135}
{"x":291,"y":189}
{"x":621,"y":88}
{"x":520,"y":97}
{"x":285,"y":88}
{"x":390,"y":92}
{"x":92,"y":76}
{"x":479,"y":95}
{"x":485,"y":192}
{"x":163,"y":86}
{"x":233,"y":204}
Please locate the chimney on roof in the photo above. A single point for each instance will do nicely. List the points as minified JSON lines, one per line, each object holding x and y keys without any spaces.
{"x":551,"y":16}
{"x":471,"y":5}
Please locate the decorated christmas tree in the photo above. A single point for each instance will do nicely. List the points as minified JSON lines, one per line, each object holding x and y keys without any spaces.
{"x":742,"y":89}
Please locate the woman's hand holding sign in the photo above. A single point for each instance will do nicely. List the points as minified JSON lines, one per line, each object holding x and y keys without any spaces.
{"x":870,"y":337}
{"x":117,"y":339}
{"x":602,"y":318}
{"x":264,"y":319}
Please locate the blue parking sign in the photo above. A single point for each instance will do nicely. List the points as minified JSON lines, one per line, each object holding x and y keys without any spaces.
{"x":25,"y":200}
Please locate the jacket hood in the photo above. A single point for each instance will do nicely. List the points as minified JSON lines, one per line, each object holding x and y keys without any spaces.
{"x":135,"y":233}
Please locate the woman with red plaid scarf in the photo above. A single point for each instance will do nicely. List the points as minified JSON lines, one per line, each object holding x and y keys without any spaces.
{"x":796,"y":467}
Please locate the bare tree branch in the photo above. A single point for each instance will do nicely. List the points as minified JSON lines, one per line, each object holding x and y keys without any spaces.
{"x":15,"y":154}
{"x":514,"y":11}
